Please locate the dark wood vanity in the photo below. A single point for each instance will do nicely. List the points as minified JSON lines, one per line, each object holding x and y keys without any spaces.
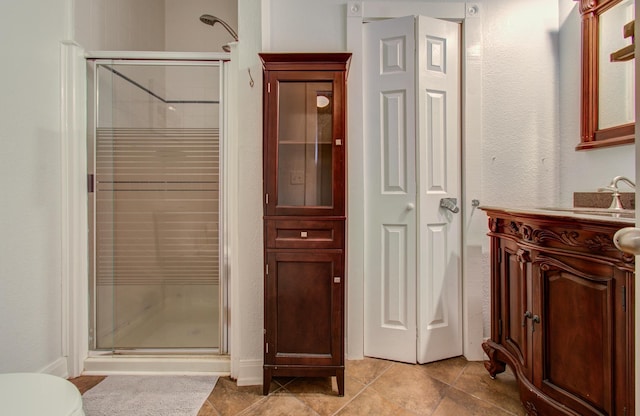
{"x":562,"y":311}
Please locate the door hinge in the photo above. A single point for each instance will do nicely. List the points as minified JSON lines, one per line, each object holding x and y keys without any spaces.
{"x":500,"y":328}
{"x":268,"y":88}
{"x":624,"y":298}
{"x":90,"y":182}
{"x":266,"y":199}
{"x":266,"y":346}
{"x":624,"y":411}
{"x":266,"y":269}
{"x":500,"y":256}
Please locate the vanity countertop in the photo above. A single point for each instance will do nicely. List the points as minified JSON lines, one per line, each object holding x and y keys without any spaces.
{"x":624,"y":217}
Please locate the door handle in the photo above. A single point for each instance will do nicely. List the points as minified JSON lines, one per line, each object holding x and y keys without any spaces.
{"x":536,"y":320}
{"x":628,"y":240}
{"x":450,"y":204}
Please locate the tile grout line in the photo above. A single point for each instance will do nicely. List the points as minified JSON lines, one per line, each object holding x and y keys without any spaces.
{"x":262,"y":399}
{"x":295,"y":396}
{"x":453,"y":383}
{"x":366,"y":386}
{"x":475,"y":396}
{"x":449,"y":387}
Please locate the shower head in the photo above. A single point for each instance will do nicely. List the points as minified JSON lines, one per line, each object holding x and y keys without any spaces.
{"x":212,"y":20}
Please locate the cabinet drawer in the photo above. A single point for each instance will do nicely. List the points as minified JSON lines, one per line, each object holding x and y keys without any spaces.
{"x":305,"y":234}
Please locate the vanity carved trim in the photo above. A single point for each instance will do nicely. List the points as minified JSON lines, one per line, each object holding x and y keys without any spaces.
{"x":543,"y":234}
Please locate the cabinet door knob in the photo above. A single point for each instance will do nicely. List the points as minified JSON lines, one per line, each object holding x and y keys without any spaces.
{"x":527,"y":315}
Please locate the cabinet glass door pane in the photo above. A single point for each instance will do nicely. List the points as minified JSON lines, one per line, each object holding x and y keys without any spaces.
{"x":305,"y":136}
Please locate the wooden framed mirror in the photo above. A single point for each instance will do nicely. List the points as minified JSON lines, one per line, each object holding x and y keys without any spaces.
{"x":607,"y":109}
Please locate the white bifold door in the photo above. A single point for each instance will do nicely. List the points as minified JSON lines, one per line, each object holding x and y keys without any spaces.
{"x":413,"y":169}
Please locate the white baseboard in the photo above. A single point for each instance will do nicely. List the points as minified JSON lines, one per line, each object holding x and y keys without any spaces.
{"x":57,"y":368}
{"x":250,"y":373}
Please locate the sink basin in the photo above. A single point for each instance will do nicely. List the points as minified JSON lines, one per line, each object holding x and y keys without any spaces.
{"x":606,"y":212}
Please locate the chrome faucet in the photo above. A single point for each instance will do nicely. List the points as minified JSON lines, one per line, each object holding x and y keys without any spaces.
{"x":613,"y":188}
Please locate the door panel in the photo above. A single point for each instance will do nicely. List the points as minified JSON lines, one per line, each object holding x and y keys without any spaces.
{"x":516,"y":272}
{"x":439,"y":169}
{"x":156,"y":201}
{"x":390,"y":265}
{"x":394,"y":273}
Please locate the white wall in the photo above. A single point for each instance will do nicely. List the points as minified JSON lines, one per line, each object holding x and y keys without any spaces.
{"x":119,"y":25}
{"x":153,"y":25}
{"x":185,"y":31}
{"x":520,"y":102}
{"x":590,"y":169}
{"x":307,"y":26}
{"x":30,"y":179}
{"x":245,"y":172}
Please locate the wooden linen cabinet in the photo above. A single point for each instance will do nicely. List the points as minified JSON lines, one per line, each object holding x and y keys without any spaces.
{"x":304,"y":155}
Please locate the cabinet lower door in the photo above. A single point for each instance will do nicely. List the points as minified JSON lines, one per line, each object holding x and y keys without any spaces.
{"x":516,"y":274}
{"x":304,"y":308}
{"x":581,"y":332}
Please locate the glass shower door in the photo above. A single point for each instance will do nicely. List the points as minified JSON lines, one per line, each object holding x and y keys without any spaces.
{"x":156,"y":207}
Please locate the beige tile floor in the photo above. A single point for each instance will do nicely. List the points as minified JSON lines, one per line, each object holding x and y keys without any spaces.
{"x":453,"y":387}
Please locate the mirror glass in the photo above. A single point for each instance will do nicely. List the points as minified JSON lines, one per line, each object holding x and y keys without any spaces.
{"x":616,"y":79}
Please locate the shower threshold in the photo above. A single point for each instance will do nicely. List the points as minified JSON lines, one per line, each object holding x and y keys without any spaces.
{"x":157,"y":362}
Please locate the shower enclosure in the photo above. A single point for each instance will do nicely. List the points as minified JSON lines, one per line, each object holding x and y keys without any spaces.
{"x":156,"y":206}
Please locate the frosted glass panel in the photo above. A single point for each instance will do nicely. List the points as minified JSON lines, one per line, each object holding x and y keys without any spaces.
{"x":305,"y":136}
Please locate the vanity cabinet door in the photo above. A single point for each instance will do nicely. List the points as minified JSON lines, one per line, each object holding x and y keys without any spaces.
{"x":581,"y":337}
{"x":515,"y":274}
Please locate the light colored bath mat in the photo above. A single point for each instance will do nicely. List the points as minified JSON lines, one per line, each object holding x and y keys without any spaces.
{"x":148,"y":395}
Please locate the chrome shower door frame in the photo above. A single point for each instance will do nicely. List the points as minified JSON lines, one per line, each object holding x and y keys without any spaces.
{"x":160,"y":59}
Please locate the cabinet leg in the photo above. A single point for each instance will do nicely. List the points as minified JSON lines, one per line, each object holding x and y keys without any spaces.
{"x":493,"y":366}
{"x":266,"y":381}
{"x":340,"y":381}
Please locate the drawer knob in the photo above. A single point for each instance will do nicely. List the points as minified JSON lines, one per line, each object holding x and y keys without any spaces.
{"x":303,"y":234}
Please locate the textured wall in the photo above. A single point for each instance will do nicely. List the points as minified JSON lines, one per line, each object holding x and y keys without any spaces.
{"x":185,"y":32}
{"x":30,"y":178}
{"x":153,"y":25}
{"x":584,"y":170}
{"x":119,"y":25}
{"x":520,"y":103}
